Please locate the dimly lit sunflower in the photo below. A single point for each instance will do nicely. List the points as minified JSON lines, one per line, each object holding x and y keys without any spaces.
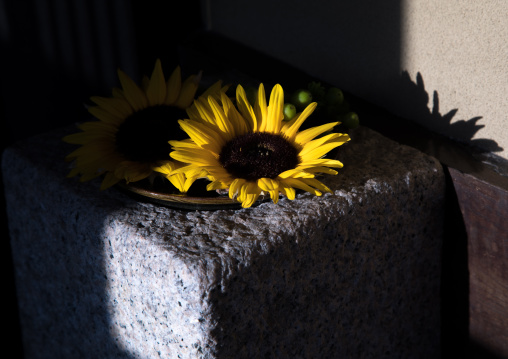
{"x":251,"y":150}
{"x":130,"y":138}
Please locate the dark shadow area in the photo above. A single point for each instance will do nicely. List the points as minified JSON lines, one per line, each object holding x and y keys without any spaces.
{"x":304,"y":300}
{"x":352,"y":44}
{"x":12,"y":336}
{"x":479,"y":351}
{"x":160,"y":27}
{"x":55,"y":55}
{"x":60,"y":252}
{"x":454,"y":279}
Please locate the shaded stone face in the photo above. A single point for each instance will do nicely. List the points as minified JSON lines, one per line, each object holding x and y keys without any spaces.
{"x":354,"y":273}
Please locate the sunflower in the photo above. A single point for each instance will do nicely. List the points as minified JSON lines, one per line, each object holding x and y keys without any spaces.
{"x":129,"y":139}
{"x":251,"y":150}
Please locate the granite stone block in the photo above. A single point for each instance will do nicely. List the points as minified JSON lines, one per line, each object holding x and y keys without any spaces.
{"x":352,"y":274}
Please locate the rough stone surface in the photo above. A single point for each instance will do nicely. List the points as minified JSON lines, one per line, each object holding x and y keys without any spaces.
{"x":352,"y":274}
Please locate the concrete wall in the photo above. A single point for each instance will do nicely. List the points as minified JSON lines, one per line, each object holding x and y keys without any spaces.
{"x":440,"y":63}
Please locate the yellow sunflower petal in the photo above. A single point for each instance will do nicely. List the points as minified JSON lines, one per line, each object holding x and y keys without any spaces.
{"x":105,"y":116}
{"x":189,"y":181}
{"x":268,"y":184}
{"x":271,"y":186}
{"x":193,"y":113}
{"x":287,"y":124}
{"x":287,"y":190}
{"x":221,"y":120}
{"x":74,"y":172}
{"x":189,"y":171}
{"x":165,"y":168}
{"x":174,"y":86}
{"x":86,"y":152}
{"x":219,"y":172}
{"x":109,"y":180}
{"x":301,"y":184}
{"x":338,"y":138}
{"x":144,"y":83}
{"x":245,"y":108}
{"x":136,"y":97}
{"x":99,"y":130}
{"x":99,"y":126}
{"x":77,"y":138}
{"x":236,"y":187}
{"x":205,"y":113}
{"x":198,"y":157}
{"x":295,"y":173}
{"x":188,"y":91}
{"x":132,"y":171}
{"x":320,"y":162}
{"x":212,"y":186}
{"x":249,"y":194}
{"x":183,"y":144}
{"x":238,"y":122}
{"x":88,"y":177}
{"x":317,"y":184}
{"x":118,"y":93}
{"x":275,"y":112}
{"x":202,"y":136}
{"x":178,"y":180}
{"x":214,"y":90}
{"x":318,"y":152}
{"x":311,"y":133}
{"x":260,"y":109}
{"x":321,"y":170}
{"x":156,"y":90}
{"x":290,"y":133}
{"x":118,"y":107}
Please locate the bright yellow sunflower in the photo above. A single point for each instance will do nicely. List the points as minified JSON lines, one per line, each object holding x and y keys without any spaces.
{"x":251,"y":150}
{"x":129,"y":139}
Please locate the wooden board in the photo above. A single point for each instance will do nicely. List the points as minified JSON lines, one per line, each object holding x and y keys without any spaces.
{"x":485,"y":211}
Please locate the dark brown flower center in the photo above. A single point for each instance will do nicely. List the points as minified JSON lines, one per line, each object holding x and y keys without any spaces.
{"x":258,"y":155}
{"x":144,"y":135}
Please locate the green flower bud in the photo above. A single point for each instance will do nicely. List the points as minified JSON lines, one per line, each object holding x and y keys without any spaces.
{"x":334,"y":96}
{"x":289,"y":111}
{"x":350,"y":120}
{"x":301,"y":98}
{"x":317,"y":90}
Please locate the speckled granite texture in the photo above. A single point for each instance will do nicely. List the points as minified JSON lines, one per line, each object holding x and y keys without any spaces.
{"x":353,"y":274}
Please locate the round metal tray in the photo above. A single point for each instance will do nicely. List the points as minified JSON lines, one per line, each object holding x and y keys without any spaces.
{"x":210,"y":200}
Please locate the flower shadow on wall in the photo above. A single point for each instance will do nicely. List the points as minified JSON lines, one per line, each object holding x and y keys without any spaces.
{"x":467,"y":154}
{"x":417,"y":98}
{"x":444,"y":143}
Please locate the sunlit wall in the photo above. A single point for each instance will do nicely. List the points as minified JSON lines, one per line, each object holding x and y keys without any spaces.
{"x":443,"y":64}
{"x":460,"y":48}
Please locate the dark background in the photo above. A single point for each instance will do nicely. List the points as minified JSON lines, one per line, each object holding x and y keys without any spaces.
{"x":56,"y":54}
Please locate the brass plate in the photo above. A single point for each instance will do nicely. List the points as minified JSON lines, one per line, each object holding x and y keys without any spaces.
{"x":183,"y":201}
